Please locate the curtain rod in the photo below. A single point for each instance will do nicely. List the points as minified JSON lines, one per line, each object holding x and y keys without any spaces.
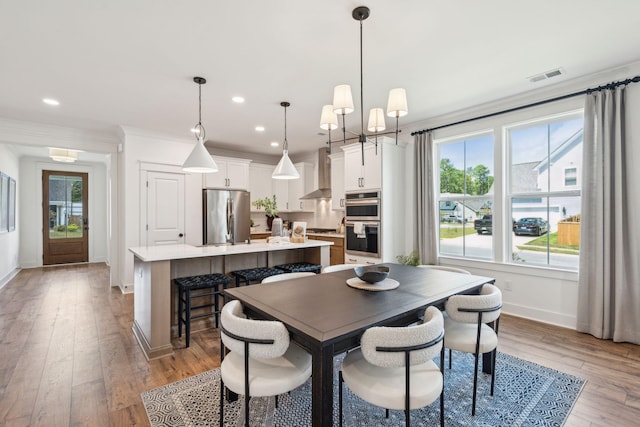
{"x":611,"y":85}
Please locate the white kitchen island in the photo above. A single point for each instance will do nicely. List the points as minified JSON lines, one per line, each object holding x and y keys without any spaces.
{"x":156,"y":266}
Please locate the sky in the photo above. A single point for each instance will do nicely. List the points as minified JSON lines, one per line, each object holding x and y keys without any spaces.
{"x":529,"y":144}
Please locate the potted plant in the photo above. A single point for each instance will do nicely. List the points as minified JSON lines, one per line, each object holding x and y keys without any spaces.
{"x":270,"y":208}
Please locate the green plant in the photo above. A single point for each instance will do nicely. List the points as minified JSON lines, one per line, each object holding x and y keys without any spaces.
{"x":268,"y":204}
{"x":72,"y":227}
{"x":61,"y":228}
{"x":412,"y":259}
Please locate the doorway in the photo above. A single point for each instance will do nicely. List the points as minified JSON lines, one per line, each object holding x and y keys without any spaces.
{"x":65,"y":231}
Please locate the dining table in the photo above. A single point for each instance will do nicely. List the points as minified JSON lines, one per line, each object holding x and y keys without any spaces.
{"x":327,"y":317}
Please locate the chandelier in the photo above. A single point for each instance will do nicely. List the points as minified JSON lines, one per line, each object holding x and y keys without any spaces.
{"x":343,"y":104}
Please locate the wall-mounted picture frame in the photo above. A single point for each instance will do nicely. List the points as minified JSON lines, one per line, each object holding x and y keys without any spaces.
{"x":11,"y":221}
{"x":4,"y":203}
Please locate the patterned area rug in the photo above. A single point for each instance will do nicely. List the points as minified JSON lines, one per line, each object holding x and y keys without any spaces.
{"x":526,"y":394}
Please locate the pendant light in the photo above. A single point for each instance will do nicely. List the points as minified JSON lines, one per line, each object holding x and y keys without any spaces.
{"x":199,"y":161}
{"x":343,"y":101}
{"x":285,"y":169}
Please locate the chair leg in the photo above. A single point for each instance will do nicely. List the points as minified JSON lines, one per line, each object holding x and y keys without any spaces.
{"x":449,"y":358}
{"x":442,"y":391}
{"x":386,"y":413}
{"x":475,"y":386}
{"x":340,"y":380}
{"x":221,"y":402}
{"x":188,"y":317}
{"x":493,"y":368}
{"x":180,"y":309}
{"x":276,"y":402}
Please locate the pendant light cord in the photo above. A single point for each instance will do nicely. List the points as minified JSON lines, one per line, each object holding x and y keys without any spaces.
{"x":285,"y":144}
{"x":361,"y":84}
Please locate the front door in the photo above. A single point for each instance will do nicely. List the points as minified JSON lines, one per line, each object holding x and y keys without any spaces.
{"x":65,"y":222}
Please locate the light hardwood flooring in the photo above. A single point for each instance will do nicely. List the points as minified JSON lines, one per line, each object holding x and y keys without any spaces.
{"x":68,"y":356}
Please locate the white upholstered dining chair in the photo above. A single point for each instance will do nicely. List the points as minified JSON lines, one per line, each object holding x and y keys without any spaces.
{"x":286,"y":276}
{"x":445,"y":268}
{"x":340,"y":267}
{"x":393,"y":368}
{"x":261,"y":360}
{"x":466,"y":328}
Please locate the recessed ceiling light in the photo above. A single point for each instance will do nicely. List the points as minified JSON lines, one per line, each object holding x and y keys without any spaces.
{"x":50,"y":101}
{"x":238,"y":99}
{"x":275,"y":143}
{"x":259,"y":128}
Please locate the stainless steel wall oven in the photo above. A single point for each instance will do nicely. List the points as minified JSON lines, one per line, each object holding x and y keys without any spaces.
{"x":362,"y":225}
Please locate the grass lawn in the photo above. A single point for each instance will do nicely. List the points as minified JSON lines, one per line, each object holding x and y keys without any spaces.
{"x":453,"y":231}
{"x":540,"y":244}
{"x":53,"y":234}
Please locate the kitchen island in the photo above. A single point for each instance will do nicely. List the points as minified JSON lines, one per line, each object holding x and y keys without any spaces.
{"x":156,"y":266}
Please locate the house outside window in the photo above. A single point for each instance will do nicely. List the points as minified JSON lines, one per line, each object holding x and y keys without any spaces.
{"x":543,"y":195}
{"x":466,"y":195}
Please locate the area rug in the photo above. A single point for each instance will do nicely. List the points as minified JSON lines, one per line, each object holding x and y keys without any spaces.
{"x":526,"y":394}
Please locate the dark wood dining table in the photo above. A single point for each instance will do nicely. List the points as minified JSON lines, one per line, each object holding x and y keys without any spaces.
{"x":327,"y":317}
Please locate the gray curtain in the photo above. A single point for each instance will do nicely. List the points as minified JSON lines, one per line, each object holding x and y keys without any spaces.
{"x":425,"y":237}
{"x":609,"y":279}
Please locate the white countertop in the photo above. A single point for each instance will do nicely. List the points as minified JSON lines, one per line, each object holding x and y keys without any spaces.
{"x":334,"y":235}
{"x":169,"y":252}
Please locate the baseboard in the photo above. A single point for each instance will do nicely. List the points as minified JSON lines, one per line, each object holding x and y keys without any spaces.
{"x":544,"y":316}
{"x":7,"y":278}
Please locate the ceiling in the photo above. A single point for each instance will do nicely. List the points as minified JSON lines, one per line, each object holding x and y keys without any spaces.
{"x":124,"y":63}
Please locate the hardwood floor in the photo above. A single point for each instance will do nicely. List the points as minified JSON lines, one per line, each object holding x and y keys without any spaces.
{"x":68,"y":356}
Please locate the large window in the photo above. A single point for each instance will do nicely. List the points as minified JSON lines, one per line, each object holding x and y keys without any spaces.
{"x":544,"y":191}
{"x":466,"y":195}
{"x":533,"y":217}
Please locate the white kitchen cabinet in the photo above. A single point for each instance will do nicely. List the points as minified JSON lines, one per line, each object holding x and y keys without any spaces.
{"x":362,"y":177}
{"x":300,"y":187}
{"x":232,"y":174}
{"x":280,"y":188}
{"x":356,"y":259}
{"x":260,"y":185}
{"x":337,"y":181}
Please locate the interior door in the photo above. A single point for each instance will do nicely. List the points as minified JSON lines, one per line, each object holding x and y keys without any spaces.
{"x":165,"y":208}
{"x":65,"y":231}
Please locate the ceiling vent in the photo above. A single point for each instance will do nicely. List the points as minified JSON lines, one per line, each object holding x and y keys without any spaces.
{"x":546,"y":75}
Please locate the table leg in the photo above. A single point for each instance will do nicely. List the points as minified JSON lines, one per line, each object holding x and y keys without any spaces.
{"x":322,"y":387}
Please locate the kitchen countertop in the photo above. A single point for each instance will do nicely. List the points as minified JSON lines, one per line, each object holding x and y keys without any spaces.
{"x":171,"y":252}
{"x":335,"y":235}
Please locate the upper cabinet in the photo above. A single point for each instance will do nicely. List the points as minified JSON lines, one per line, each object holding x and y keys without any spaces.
{"x":300,"y":187}
{"x":337,"y":181}
{"x":232,"y":174}
{"x":359,"y":177}
{"x":260,"y":183}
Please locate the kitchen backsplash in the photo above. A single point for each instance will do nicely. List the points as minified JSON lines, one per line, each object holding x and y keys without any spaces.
{"x":322,"y":217}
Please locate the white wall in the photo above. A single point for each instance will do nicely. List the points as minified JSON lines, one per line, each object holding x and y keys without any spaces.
{"x":9,"y":241}
{"x":543,"y":294}
{"x":31,"y":208}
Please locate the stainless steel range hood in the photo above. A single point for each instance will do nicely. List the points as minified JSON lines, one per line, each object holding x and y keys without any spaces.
{"x":324,"y":177}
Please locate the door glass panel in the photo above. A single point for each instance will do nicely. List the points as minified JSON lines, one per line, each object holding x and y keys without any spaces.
{"x":65,"y":207}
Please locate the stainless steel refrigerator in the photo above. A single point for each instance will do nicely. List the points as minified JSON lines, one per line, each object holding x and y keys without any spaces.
{"x":226,"y":216}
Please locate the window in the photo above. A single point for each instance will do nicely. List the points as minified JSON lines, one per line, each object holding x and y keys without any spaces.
{"x":466,"y":195}
{"x":533,"y":217}
{"x":570,"y":177}
{"x":544,"y":196}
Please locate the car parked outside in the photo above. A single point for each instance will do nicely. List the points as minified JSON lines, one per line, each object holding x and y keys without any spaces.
{"x":531,"y":226}
{"x":453,"y":218}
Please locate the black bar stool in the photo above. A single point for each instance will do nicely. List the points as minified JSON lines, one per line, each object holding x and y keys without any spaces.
{"x":297,"y":267}
{"x":255,"y":274}
{"x":207,"y":285}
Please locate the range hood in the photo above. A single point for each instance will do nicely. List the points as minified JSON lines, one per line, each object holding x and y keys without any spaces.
{"x":324,"y":177}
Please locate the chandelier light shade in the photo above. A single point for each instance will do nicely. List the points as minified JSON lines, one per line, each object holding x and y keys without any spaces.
{"x":343,"y":101}
{"x":376,"y":120}
{"x":63,"y":155}
{"x":397,"y":104}
{"x":199,"y":161}
{"x":328,"y":121}
{"x":285,"y":168}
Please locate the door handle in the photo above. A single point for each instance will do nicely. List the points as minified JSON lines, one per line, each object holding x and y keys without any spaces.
{"x":180,"y":235}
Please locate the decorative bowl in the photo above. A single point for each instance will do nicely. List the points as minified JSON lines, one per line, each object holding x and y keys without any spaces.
{"x":372,"y":273}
